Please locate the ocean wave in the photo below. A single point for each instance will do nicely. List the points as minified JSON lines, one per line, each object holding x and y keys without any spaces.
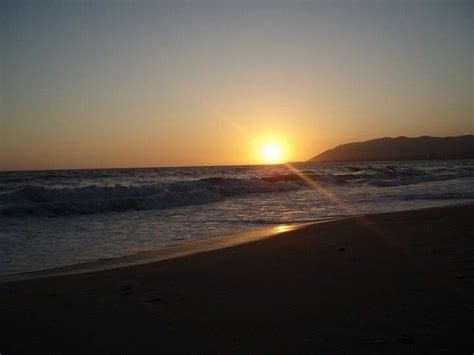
{"x":122,"y":190}
{"x":374,"y":176}
{"x":40,"y":200}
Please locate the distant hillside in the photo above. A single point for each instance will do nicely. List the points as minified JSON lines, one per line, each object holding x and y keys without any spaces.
{"x":402,"y":148}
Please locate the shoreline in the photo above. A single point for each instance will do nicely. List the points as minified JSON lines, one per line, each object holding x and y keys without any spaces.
{"x":188,"y":248}
{"x":168,"y":252}
{"x":391,"y":283}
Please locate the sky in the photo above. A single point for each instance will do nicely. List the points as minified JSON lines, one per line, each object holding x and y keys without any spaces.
{"x":98,"y":84}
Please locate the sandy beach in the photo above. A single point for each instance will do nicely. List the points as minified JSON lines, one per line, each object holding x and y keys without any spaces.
{"x":395,"y":283}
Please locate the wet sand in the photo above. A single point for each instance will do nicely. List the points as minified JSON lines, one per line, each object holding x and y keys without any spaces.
{"x":384,"y":284}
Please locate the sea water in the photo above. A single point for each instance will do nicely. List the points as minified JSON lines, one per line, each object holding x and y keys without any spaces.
{"x":51,"y":219}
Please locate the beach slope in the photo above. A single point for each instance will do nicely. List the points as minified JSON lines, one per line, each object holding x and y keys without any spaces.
{"x":394,"y":283}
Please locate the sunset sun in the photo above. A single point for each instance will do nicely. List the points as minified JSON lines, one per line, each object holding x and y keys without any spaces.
{"x":272,"y":153}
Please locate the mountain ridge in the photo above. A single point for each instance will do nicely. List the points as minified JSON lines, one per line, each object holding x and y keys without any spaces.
{"x":401,"y":148}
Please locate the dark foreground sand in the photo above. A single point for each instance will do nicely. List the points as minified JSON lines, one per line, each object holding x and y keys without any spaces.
{"x":387,"y":284}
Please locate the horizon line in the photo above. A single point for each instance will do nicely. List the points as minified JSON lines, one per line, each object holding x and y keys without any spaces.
{"x":152,"y":167}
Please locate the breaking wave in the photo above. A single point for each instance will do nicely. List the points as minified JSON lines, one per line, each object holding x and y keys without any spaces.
{"x":95,"y":199}
{"x":88,"y":192}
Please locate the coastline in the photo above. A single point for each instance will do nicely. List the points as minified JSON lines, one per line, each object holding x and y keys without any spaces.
{"x":389,"y":283}
{"x":187,"y":248}
{"x":168,"y":252}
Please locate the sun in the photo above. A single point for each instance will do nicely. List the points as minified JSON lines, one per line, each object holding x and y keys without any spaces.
{"x":272,"y":153}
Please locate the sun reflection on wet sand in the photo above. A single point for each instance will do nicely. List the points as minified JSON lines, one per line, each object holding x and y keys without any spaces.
{"x":167,"y":252}
{"x":282,"y":228}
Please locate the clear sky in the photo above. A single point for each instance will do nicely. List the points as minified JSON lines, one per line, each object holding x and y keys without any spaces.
{"x":160,"y":83}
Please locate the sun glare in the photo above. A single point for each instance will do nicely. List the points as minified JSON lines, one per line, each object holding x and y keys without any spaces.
{"x":272,"y":153}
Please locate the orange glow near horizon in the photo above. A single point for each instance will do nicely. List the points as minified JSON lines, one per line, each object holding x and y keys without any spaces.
{"x":201,"y":83}
{"x":271,"y":148}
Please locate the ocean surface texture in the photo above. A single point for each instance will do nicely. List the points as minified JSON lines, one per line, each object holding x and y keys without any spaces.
{"x":55,"y":218}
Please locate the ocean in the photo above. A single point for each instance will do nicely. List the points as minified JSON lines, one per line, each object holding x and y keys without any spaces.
{"x":50,"y":219}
